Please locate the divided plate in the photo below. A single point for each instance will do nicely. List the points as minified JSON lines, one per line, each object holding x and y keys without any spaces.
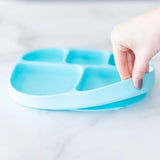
{"x":73,"y":79}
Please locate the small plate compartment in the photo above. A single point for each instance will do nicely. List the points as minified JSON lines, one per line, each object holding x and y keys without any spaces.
{"x":46,"y":55}
{"x":87,"y":57}
{"x":98,"y":77}
{"x":41,"y":79}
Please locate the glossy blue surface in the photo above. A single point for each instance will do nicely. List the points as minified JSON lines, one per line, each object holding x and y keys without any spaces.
{"x":116,"y":105}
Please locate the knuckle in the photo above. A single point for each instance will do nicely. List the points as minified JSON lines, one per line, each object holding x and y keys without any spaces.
{"x":115,"y":32}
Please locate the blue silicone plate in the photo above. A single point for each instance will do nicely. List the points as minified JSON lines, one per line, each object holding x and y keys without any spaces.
{"x":73,"y":79}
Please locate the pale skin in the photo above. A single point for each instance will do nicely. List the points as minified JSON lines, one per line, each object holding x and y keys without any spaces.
{"x":134,"y":43}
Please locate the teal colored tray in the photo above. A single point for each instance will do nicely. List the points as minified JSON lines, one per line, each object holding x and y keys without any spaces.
{"x":73,"y":79}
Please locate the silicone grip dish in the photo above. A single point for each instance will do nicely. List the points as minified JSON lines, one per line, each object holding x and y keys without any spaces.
{"x":73,"y":79}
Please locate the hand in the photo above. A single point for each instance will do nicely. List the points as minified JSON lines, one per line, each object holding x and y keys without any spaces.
{"x":134,"y":43}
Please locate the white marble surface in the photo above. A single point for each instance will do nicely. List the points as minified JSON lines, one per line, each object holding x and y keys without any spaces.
{"x":26,"y":134}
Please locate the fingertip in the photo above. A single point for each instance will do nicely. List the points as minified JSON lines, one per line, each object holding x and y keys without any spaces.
{"x":138,"y":77}
{"x":139,"y":83}
{"x":138,"y":80}
{"x":141,"y":67}
{"x":125,"y":77}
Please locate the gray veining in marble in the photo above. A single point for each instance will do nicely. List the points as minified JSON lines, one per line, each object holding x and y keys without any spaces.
{"x":26,"y":134}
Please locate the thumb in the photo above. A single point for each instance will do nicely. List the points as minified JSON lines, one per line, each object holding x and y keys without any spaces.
{"x":141,"y":66}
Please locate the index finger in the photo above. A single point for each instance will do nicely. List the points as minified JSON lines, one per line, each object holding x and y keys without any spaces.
{"x":121,"y":60}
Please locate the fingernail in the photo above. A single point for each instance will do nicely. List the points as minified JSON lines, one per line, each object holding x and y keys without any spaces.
{"x":139,"y":84}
